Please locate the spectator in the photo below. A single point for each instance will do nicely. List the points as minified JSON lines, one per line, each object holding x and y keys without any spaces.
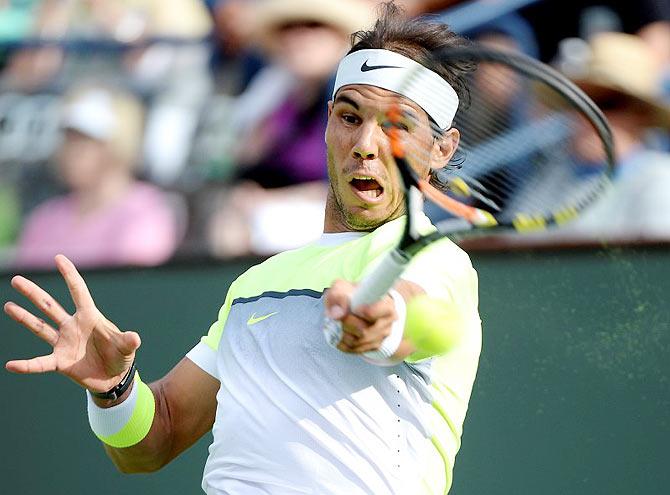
{"x":560,"y":19}
{"x":303,"y":40}
{"x":621,"y":75}
{"x":510,"y":99}
{"x":171,"y":71}
{"x":501,"y":104}
{"x":108,"y":218}
{"x":234,"y":18}
{"x":657,"y":36}
{"x":176,"y":78}
{"x":32,"y":68}
{"x":282,"y":121}
{"x":623,"y":78}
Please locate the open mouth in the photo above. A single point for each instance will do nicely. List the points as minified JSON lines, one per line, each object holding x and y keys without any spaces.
{"x":366,"y":187}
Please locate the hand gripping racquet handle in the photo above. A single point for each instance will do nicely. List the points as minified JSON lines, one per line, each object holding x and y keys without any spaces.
{"x":376,"y":284}
{"x":371,"y":289}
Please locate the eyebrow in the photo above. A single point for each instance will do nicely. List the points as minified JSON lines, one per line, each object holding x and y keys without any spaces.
{"x":409,"y":113}
{"x":347,"y":100}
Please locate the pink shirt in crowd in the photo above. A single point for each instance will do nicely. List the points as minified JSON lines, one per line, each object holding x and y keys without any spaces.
{"x":140,"y":229}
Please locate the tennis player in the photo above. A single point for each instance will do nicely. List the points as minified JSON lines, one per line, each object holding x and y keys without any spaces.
{"x":289,"y":413}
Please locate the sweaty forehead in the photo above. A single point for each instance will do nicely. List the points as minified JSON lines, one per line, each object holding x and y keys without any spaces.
{"x":372,"y":98}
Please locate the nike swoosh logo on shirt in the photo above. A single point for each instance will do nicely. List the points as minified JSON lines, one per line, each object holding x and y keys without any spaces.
{"x":253,"y":319}
{"x":365,"y":67}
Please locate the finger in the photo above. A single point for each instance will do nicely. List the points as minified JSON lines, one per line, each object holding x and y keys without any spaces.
{"x":129,"y":343}
{"x":344,"y":347}
{"x":75,"y":283}
{"x":373,"y":337}
{"x":41,"y":299}
{"x":41,"y":364}
{"x":384,"y":308}
{"x":361,"y":348}
{"x":349,"y":340}
{"x":354,"y":325}
{"x":36,"y":325}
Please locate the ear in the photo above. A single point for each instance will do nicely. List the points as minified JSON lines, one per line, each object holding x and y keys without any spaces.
{"x":444,"y":148}
{"x":330,"y":107}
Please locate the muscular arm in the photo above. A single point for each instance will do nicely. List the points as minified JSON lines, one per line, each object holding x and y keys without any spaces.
{"x":185,"y":410}
{"x":92,"y":351}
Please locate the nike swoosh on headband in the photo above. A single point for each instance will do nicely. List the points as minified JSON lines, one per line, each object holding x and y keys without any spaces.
{"x":361,"y":67}
{"x":365,"y":67}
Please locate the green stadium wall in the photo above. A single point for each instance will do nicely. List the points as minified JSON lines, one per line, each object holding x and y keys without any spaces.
{"x":572,"y":394}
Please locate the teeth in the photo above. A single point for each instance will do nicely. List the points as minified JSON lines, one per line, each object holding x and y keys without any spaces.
{"x":363,"y":177}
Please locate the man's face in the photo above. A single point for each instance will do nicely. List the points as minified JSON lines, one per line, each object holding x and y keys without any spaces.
{"x":365,"y":186}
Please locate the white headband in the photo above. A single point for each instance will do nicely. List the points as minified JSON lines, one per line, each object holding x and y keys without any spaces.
{"x":390,"y":70}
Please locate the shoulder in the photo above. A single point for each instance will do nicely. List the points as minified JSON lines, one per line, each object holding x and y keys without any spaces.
{"x":50,"y":209}
{"x":293,"y":269}
{"x":148,"y":210}
{"x":444,"y":270}
{"x":143,"y":194}
{"x":444,"y":256}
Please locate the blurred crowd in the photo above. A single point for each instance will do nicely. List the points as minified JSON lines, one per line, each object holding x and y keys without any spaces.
{"x":137,"y":131}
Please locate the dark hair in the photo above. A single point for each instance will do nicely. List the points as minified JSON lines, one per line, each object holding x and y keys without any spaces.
{"x":416,"y":38}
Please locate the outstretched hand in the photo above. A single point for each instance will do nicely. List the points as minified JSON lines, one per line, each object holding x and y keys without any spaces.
{"x":87,"y":347}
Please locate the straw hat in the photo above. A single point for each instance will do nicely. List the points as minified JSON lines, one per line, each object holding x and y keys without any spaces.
{"x":623,"y":64}
{"x":347,"y":16}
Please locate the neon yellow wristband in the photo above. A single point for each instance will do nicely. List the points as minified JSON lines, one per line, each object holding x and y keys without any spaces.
{"x":141,"y":419}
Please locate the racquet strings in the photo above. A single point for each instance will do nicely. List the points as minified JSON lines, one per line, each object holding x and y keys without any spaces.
{"x":527,"y":155}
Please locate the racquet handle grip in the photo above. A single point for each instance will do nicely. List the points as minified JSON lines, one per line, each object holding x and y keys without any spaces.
{"x":377,"y":283}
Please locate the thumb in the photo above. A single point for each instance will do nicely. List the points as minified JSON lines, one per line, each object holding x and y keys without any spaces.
{"x":337,"y":299}
{"x":336,"y":305}
{"x":336,"y":312}
{"x":129,"y":342}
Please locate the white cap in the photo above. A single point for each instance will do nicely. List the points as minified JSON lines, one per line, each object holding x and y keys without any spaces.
{"x":108,"y":115}
{"x":92,"y":114}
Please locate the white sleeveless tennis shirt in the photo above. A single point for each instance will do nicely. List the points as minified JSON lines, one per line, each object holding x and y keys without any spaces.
{"x":295,"y":416}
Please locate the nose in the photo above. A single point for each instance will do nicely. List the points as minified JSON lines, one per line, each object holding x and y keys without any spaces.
{"x":366,"y":146}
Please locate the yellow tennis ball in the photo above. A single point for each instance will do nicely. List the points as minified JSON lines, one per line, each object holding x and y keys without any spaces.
{"x":433,"y":325}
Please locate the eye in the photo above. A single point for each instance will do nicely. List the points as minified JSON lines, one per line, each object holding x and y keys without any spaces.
{"x":350,"y":118}
{"x":403,"y":126}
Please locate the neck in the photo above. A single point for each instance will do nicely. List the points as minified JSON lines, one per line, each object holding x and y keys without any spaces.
{"x":105,"y":192}
{"x":334,"y":219}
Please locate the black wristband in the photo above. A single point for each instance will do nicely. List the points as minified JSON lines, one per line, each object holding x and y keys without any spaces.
{"x":118,"y":391}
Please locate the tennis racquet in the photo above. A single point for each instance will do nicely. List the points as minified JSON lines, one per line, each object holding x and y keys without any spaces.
{"x":534,"y":152}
